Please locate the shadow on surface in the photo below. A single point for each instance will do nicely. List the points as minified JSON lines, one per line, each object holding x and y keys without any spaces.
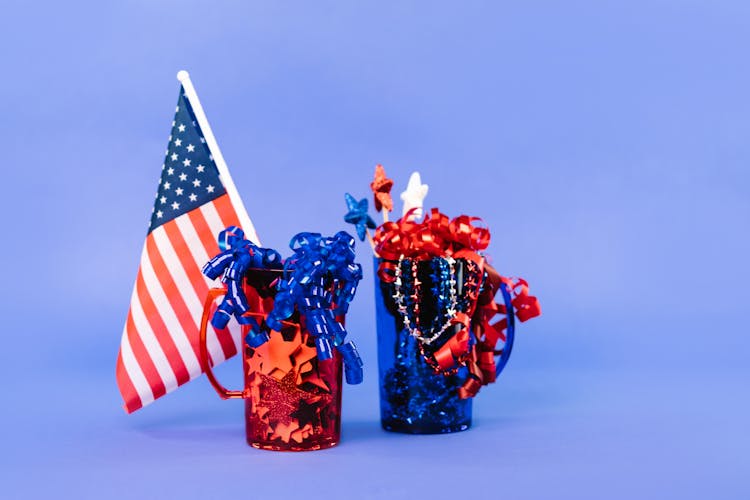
{"x":209,"y":423}
{"x":358,"y":431}
{"x":194,"y":433}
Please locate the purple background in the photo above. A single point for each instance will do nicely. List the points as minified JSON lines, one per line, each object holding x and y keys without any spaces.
{"x":605,"y":143}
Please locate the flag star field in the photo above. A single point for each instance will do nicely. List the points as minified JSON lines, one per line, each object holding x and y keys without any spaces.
{"x":189,"y":175}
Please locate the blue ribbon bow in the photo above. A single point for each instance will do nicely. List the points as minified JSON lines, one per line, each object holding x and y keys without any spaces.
{"x":319,"y":280}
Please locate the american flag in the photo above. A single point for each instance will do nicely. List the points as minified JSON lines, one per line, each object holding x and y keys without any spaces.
{"x":195,"y":200}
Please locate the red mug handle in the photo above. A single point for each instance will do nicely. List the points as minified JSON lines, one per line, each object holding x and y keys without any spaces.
{"x":222,"y":391}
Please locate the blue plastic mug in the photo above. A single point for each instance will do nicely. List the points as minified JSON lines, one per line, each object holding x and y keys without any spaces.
{"x":414,"y":398}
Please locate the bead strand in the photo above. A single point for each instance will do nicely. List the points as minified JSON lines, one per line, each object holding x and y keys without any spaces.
{"x":400,"y":300}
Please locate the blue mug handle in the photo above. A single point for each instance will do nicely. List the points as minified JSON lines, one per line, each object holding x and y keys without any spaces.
{"x":510,"y":331}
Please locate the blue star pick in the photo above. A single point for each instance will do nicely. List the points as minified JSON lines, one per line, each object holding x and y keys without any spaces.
{"x":358,"y":215}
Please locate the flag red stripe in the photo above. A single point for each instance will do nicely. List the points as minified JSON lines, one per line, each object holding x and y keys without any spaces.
{"x":154,"y":318}
{"x":161,"y":332}
{"x":210,"y":213}
{"x":127,"y":389}
{"x":191,"y":268}
{"x":228,"y":216}
{"x":204,"y":232}
{"x":144,"y":358}
{"x":226,"y":206}
{"x":208,"y":239}
{"x":193,"y":271}
{"x":226,"y":211}
{"x":172,"y":292}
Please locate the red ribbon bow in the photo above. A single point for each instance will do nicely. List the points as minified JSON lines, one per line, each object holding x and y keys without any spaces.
{"x":435,"y":236}
{"x":460,"y":238}
{"x":482,"y":368}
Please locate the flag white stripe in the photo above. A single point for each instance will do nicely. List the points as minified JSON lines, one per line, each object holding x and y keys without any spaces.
{"x":134,"y":371}
{"x":187,"y":292}
{"x":236,"y":331}
{"x":214,"y":222}
{"x":212,"y":218}
{"x":199,"y":255}
{"x":152,"y":346}
{"x":193,"y":242}
{"x":168,"y":316}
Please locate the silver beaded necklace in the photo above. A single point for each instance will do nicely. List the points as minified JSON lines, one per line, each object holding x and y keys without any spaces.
{"x":403,"y":309}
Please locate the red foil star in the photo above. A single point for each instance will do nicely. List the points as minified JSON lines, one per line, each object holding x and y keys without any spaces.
{"x":381,"y":189}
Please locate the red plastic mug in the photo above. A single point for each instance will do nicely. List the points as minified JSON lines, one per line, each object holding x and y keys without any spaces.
{"x":292,"y":399}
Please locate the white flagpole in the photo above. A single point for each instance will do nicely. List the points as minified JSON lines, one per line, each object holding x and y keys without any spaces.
{"x":213,"y":147}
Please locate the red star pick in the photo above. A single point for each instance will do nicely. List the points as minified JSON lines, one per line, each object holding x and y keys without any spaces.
{"x":381,"y":189}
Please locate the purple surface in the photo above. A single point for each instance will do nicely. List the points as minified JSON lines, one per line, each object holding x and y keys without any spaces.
{"x":605,"y":143}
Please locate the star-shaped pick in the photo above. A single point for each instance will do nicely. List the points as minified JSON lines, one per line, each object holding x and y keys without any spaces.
{"x":358,"y":215}
{"x":381,"y":189}
{"x":414,"y":195}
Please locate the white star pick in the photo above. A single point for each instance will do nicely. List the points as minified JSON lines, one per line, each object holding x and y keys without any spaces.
{"x":414,"y":195}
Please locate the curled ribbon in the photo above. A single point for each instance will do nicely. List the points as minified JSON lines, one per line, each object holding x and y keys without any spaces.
{"x":435,"y":236}
{"x":462,"y":238}
{"x":517,"y":303}
{"x":320,"y":280}
{"x":236,"y":257}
